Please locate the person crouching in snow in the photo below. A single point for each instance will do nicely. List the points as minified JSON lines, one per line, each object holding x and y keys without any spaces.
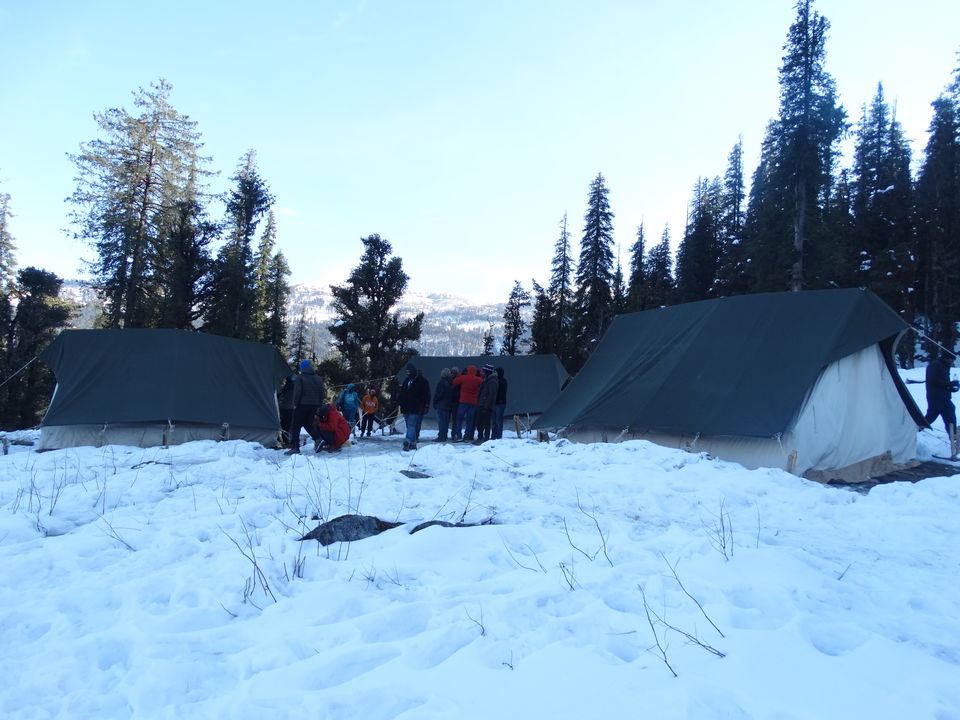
{"x":332,"y":429}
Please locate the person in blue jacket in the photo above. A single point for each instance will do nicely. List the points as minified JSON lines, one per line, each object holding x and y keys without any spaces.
{"x":348,"y":403}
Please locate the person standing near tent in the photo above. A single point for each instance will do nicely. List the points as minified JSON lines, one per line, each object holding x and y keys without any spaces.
{"x":348,"y":403}
{"x":486,"y":399}
{"x":369,"y":406}
{"x":456,"y":431}
{"x":308,"y":392}
{"x":414,"y":401}
{"x":332,"y":429}
{"x":939,"y":389}
{"x":286,"y":406}
{"x":443,"y":404}
{"x":469,"y":386}
{"x":500,"y":407}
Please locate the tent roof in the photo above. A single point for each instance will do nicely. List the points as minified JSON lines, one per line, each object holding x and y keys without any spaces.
{"x":733,"y":366}
{"x":533,"y":381}
{"x":141,"y":375}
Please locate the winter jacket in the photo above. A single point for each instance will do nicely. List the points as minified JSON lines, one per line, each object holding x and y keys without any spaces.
{"x":335,"y":423}
{"x":444,"y":394}
{"x":308,"y":388}
{"x":938,"y":381}
{"x":469,"y":384}
{"x":414,"y":394}
{"x":488,"y":392}
{"x":370,"y":404}
{"x":502,"y":388}
{"x":348,"y":398}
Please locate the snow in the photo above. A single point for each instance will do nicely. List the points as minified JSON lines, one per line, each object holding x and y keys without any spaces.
{"x":170,"y":583}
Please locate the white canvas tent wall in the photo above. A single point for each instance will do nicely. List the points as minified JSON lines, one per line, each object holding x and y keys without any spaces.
{"x":145,"y":387}
{"x":800,"y":381}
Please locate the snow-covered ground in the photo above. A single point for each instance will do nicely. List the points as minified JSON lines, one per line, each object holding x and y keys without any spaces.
{"x":614,"y":581}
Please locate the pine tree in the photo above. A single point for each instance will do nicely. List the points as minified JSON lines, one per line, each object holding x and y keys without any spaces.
{"x":8,"y":262}
{"x":636,"y":287}
{"x":233,"y":305}
{"x":184,"y":263}
{"x":488,"y":341}
{"x":561,"y":298}
{"x":882,"y":206}
{"x":659,"y":272}
{"x":513,"y":323}
{"x":544,"y":339}
{"x":369,"y":335}
{"x":128,"y":183}
{"x":594,"y":297}
{"x":793,"y":183}
{"x":277,"y":300}
{"x":39,"y":316}
{"x":698,"y":257}
{"x":298,"y":342}
{"x":619,"y":299}
{"x":732,"y":276}
{"x":261,"y":273}
{"x":938,"y":211}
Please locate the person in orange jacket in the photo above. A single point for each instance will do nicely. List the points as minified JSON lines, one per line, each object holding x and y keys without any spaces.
{"x":369,"y":406}
{"x":469,"y":385}
{"x":332,"y":428}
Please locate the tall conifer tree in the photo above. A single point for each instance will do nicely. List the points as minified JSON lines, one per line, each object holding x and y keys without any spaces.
{"x":561,"y":299}
{"x":698,"y":257}
{"x":659,"y":273}
{"x":594,"y":295}
{"x":129,"y":181}
{"x":793,"y":183}
{"x":233,"y":305}
{"x":514,"y":324}
{"x":369,"y":334}
{"x":938,"y":211}
{"x":882,"y":206}
{"x":636,"y":286}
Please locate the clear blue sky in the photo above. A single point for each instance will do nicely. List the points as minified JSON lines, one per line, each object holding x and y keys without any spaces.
{"x":460,"y":131}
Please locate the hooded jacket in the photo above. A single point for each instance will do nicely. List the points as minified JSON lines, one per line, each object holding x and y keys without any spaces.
{"x":334,"y":423}
{"x":414,"y":393}
{"x":488,"y":392}
{"x":469,"y":385}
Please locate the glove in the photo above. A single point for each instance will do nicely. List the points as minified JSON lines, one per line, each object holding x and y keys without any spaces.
{"x":955,"y":386}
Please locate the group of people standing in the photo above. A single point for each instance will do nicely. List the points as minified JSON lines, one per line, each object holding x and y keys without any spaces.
{"x":465,"y":402}
{"x":303,"y":406}
{"x":469,"y":406}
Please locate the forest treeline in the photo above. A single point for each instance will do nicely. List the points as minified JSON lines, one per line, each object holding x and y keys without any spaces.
{"x":805,"y":220}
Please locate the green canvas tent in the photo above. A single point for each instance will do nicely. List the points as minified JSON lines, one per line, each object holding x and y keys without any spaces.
{"x":804,"y":381}
{"x":533,"y":381}
{"x":160,"y":387}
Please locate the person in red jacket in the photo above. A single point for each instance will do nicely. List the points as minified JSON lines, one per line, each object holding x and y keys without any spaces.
{"x":332,"y":428}
{"x":469,"y":385}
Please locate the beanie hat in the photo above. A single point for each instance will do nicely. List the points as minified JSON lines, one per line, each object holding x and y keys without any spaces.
{"x":488,"y":368}
{"x":304,"y":364}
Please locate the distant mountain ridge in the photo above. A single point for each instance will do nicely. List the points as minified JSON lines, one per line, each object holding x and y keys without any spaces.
{"x":452,"y":325}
